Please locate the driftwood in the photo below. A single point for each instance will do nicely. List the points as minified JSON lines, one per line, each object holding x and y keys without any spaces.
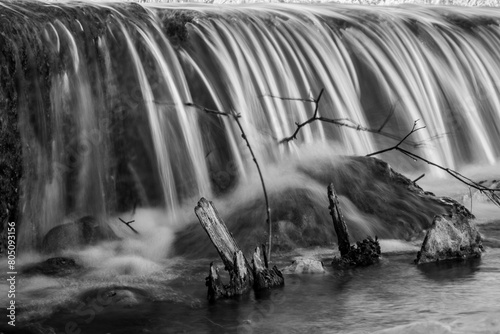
{"x":242,"y":277}
{"x":364,"y":253}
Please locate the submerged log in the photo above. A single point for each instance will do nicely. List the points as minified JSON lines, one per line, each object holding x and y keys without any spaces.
{"x":263,"y":277}
{"x":242,"y":277}
{"x":364,"y":253}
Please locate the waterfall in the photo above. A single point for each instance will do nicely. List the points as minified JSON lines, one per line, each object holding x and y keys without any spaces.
{"x":102,"y":92}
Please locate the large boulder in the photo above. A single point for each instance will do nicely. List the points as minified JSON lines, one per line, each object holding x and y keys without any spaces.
{"x":82,"y":232}
{"x":451,"y":237}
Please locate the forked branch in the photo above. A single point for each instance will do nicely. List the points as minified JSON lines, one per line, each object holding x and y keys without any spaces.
{"x":345,"y":122}
{"x":128,"y":224}
{"x":491,"y":193}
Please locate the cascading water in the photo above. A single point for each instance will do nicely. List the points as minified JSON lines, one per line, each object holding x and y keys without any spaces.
{"x":102,"y":90}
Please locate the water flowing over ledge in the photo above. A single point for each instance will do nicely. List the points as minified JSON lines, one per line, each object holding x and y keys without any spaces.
{"x":471,"y":3}
{"x":101,"y":92}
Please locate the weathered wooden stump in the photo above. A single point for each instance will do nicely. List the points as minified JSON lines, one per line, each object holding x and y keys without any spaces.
{"x":242,"y":277}
{"x":338,"y":222}
{"x":263,"y":277}
{"x":364,"y":253}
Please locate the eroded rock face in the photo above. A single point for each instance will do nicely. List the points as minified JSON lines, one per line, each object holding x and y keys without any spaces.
{"x":451,"y":237}
{"x":82,"y":232}
{"x":304,"y":266}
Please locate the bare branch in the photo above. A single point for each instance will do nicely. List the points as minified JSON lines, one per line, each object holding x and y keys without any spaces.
{"x":418,"y":178}
{"x":491,"y":193}
{"x":290,"y":98}
{"x":244,"y":136}
{"x":413,"y":130}
{"x":212,"y":111}
{"x":312,"y":119}
{"x":128,"y":224}
{"x":391,"y":113}
{"x":346,"y":122}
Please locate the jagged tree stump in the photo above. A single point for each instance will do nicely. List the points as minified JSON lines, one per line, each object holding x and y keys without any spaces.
{"x":364,"y":253}
{"x":242,"y":277}
{"x":338,"y":222}
{"x":263,"y":277}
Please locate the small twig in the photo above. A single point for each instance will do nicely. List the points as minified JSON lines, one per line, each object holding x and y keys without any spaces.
{"x":213,"y":111}
{"x":413,"y":130}
{"x":128,"y":224}
{"x":290,"y":98}
{"x":391,"y":113}
{"x":418,"y":178}
{"x":244,"y":136}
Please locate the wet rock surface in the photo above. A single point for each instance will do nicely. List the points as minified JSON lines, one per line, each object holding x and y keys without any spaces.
{"x":303,"y":265}
{"x":451,"y":237}
{"x":82,"y":232}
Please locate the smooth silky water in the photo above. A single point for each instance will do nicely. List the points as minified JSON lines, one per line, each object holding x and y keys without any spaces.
{"x":102,"y":91}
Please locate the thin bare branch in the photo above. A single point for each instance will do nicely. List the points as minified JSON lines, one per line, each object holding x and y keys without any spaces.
{"x":312,"y":119}
{"x":491,"y":193}
{"x":345,"y":122}
{"x":413,"y":130}
{"x":128,"y":224}
{"x":244,"y":136}
{"x":212,"y":111}
{"x":290,"y":98}
{"x":391,"y":113}
{"x":418,"y":178}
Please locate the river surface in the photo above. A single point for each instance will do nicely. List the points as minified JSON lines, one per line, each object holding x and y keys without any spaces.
{"x":394,"y":296}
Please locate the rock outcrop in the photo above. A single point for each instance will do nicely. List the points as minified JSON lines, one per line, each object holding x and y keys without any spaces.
{"x":451,"y":237}
{"x":82,"y":232}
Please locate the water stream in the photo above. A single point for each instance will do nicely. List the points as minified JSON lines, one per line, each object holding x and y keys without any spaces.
{"x":101,"y":95}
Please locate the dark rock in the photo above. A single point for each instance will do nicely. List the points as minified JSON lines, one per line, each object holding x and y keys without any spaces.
{"x":451,"y":237}
{"x":113,"y":297}
{"x":56,"y":266}
{"x":364,"y":253}
{"x":82,"y":232}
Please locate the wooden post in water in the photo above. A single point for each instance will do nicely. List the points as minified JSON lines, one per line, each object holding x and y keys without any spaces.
{"x":263,"y":277}
{"x":338,"y":222}
{"x":242,"y":277}
{"x":364,"y":253}
{"x":240,"y":272}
